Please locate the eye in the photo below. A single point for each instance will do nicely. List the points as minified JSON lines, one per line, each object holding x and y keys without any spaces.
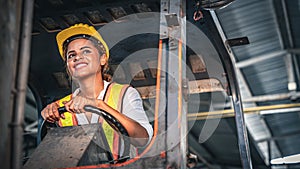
{"x":86,"y":51}
{"x":70,"y":55}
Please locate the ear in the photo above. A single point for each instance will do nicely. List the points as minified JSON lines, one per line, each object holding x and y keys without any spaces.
{"x":103,"y":59}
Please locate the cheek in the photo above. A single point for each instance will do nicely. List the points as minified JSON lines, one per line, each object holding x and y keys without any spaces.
{"x":69,"y":68}
{"x":95,"y":62}
{"x":95,"y":67}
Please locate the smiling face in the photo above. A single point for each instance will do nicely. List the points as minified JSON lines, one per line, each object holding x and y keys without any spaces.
{"x":83,"y":59}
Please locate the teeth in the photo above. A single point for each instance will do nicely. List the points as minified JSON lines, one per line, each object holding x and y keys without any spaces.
{"x":80,"y":65}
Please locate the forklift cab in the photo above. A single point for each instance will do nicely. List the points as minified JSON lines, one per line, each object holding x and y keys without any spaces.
{"x":170,"y":51}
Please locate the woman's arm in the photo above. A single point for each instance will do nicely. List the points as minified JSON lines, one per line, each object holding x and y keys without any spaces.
{"x":137,"y":133}
{"x":133,"y":108}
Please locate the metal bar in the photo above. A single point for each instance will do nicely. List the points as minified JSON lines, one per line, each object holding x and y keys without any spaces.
{"x":272,"y":97}
{"x":290,"y":57}
{"x":292,"y":86}
{"x":281,"y":137}
{"x":10,"y":16}
{"x":230,"y":112}
{"x":277,"y":23}
{"x":269,"y":153}
{"x":21,"y":86}
{"x":195,"y":87}
{"x":278,"y":111}
{"x":296,"y":66}
{"x":237,"y":103}
{"x":164,"y":9}
{"x":287,"y":23}
{"x":248,"y":121}
{"x":294,"y":50}
{"x":183,"y":105}
{"x":257,"y":59}
{"x":173,"y":18}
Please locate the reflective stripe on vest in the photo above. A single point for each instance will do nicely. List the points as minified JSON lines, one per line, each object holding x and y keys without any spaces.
{"x":113,"y":97}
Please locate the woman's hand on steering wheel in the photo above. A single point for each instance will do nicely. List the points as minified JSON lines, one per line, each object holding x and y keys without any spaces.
{"x":50,"y":113}
{"x":77,"y":103}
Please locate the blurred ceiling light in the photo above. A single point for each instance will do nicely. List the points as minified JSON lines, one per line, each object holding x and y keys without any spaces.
{"x":117,"y":12}
{"x":147,"y":92}
{"x":56,"y":2}
{"x":140,"y":8}
{"x":292,"y":159}
{"x":205,"y":85}
{"x":197,"y":64}
{"x":136,"y":71}
{"x":276,"y":111}
{"x":95,"y":17}
{"x":49,"y":24}
{"x":152,"y":65}
{"x":71,"y":19}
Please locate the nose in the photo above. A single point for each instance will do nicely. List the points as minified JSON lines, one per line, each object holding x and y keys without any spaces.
{"x":78,"y":57}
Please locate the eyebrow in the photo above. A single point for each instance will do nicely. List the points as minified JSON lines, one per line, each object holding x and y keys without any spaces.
{"x":84,"y":47}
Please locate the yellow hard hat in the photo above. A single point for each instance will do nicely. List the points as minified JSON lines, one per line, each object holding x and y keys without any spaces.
{"x":79,"y":29}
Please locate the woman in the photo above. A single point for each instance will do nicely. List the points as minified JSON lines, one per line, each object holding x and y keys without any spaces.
{"x":86,"y":56}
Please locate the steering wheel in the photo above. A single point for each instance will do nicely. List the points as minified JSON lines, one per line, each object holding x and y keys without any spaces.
{"x":115,"y":124}
{"x":111,"y":120}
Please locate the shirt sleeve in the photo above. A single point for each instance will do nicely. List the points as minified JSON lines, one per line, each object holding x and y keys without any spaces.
{"x":133,"y":108}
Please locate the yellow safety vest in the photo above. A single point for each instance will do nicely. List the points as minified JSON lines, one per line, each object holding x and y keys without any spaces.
{"x":114,"y":98}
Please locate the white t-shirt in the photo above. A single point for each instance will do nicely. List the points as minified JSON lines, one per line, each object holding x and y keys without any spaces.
{"x":132,"y":108}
